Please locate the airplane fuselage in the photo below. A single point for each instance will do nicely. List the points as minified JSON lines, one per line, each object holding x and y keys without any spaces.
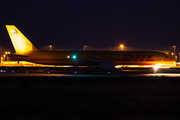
{"x":83,"y":57}
{"x":26,"y":51}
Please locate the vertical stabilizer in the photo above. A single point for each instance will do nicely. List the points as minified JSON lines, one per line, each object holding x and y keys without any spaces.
{"x":20,"y":42}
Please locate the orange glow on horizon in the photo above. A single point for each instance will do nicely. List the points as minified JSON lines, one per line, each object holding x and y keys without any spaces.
{"x":121,"y":46}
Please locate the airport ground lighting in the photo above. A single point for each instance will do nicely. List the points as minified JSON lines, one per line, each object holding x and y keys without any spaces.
{"x":7,"y":52}
{"x":175,"y":58}
{"x":121,"y":46}
{"x":50,"y":47}
{"x":172,"y":55}
{"x":174,"y":47}
{"x":85,"y":47}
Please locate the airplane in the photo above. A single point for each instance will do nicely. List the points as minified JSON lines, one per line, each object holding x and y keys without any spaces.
{"x":26,"y":51}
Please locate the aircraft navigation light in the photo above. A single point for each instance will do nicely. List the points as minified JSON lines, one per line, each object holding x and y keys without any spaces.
{"x":74,"y":56}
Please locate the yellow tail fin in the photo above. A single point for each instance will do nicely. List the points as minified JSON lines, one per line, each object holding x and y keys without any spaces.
{"x":20,"y":42}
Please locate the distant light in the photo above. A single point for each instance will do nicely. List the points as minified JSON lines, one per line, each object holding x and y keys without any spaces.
{"x":4,"y":71}
{"x":50,"y":47}
{"x":108,"y":72}
{"x":7,"y":52}
{"x":85,"y":47}
{"x":27,"y":71}
{"x":74,"y":56}
{"x":48,"y":71}
{"x":12,"y":71}
{"x":75,"y":72}
{"x":68,"y":56}
{"x":121,"y":46}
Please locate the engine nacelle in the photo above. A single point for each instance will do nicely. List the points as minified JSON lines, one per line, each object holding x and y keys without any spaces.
{"x":106,"y":65}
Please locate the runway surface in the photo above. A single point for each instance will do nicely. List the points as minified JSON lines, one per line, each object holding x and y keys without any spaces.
{"x":117,"y":95}
{"x":75,"y":72}
{"x":84,"y":75}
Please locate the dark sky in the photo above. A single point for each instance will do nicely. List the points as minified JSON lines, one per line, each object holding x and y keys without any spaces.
{"x":99,"y":24}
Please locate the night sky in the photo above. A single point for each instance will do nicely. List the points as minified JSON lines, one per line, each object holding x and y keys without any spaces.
{"x":141,"y":24}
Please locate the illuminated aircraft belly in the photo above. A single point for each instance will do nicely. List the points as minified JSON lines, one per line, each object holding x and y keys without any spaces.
{"x":52,"y":61}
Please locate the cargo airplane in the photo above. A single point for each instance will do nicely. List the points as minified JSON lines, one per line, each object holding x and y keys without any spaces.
{"x":26,"y":51}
